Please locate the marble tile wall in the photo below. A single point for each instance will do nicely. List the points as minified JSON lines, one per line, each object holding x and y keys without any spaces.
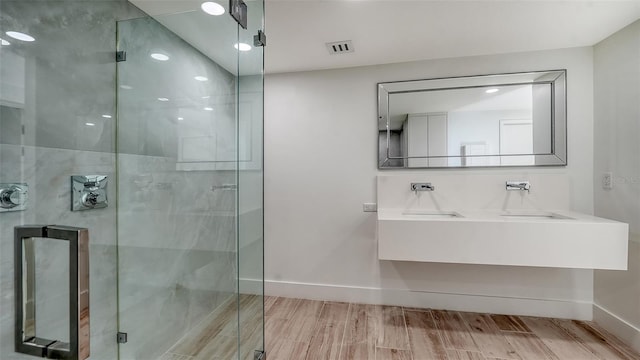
{"x":47,"y":172}
{"x":49,"y":90}
{"x":163,"y":109}
{"x":177,"y":250}
{"x":68,"y":72}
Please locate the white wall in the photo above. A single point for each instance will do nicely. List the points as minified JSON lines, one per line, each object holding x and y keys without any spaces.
{"x":320,"y":166}
{"x":617,"y":146}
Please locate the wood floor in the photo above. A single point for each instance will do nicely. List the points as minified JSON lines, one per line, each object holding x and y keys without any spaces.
{"x":298,"y":329}
{"x":216,"y":336}
{"x":303,"y":329}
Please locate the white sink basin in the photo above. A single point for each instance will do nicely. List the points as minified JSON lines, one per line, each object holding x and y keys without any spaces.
{"x":432,"y":214}
{"x":534,"y":215}
{"x":557,"y":238}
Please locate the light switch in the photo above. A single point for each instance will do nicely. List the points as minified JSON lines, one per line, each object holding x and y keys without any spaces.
{"x":369,"y":207}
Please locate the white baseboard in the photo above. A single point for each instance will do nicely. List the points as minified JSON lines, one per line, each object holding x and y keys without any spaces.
{"x":617,"y":326}
{"x":567,"y":309}
{"x":250,"y":286}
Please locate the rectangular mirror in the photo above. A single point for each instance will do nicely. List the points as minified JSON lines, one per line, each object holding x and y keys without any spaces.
{"x":474,"y":121}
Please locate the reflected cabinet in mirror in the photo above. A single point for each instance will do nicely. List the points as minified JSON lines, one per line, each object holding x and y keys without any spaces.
{"x":492,"y":120}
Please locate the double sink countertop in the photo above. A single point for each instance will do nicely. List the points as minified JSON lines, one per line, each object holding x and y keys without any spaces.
{"x":546,"y":238}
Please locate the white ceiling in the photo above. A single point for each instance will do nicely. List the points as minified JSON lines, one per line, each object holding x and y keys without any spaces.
{"x":394,"y":31}
{"x":214,"y":36}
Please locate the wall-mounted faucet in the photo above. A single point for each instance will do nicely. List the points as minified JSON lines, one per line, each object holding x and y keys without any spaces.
{"x":518,"y":185}
{"x":422,"y":187}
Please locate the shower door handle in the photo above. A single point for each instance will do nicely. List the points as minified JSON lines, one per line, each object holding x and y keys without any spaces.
{"x":26,"y":340}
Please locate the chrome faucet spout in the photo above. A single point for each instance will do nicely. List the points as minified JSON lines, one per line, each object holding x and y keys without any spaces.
{"x":422,"y":187}
{"x":518,"y":185}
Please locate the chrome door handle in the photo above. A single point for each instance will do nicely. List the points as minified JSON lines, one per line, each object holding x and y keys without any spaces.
{"x":26,"y":340}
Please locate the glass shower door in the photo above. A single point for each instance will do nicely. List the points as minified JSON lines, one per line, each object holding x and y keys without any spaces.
{"x":186,"y":137}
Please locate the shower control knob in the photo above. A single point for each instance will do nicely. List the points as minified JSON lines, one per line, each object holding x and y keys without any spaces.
{"x":90,"y":199}
{"x":88,"y":192}
{"x":12,"y":196}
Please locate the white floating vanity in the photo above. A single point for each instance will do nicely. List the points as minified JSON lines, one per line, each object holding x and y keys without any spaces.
{"x":471,"y":219}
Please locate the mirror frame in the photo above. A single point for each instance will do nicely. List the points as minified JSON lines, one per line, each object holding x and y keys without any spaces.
{"x":557,"y":79}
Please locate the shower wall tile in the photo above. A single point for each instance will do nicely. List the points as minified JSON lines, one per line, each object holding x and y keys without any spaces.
{"x":63,"y":84}
{"x":177,"y":236}
{"x":177,"y":251}
{"x":47,"y":171}
{"x":50,"y":89}
{"x":196,"y":122}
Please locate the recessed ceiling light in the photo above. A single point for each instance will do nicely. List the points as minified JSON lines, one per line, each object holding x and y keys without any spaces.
{"x":162,"y":99}
{"x":206,"y":97}
{"x":201,"y":78}
{"x":242,"y":46}
{"x":4,"y":42}
{"x":20,"y":36}
{"x":126,"y":87}
{"x":212,"y":8}
{"x":90,"y":124}
{"x":208,"y":108}
{"x":160,"y":56}
{"x":106,"y":116}
{"x":491,"y":91}
{"x":180,"y":118}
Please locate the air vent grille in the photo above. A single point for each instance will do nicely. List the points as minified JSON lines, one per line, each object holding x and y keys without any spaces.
{"x":340,"y":47}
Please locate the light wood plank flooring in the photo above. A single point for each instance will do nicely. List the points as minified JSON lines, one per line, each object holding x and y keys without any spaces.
{"x":304,"y":330}
{"x":216,"y":336}
{"x":297,"y":329}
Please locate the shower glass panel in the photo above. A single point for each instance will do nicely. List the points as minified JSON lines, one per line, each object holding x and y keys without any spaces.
{"x":176,"y":126}
{"x":250,"y":189}
{"x":185,"y":132}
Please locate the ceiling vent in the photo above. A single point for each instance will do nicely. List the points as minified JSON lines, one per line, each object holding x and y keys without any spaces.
{"x":340,"y":47}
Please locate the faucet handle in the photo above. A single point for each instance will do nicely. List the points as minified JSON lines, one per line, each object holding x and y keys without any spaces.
{"x":518,"y":185}
{"x":13,"y":196}
{"x":422,"y":187}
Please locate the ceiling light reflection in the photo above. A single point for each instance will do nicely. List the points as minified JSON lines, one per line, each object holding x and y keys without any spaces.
{"x":20,"y":36}
{"x":160,"y":56}
{"x":242,"y":46}
{"x":212,"y":8}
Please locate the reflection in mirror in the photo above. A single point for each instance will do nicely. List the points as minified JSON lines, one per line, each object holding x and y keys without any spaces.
{"x":495,"y":120}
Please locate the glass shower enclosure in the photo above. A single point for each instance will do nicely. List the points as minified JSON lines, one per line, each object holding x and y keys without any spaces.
{"x":131,"y":172}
